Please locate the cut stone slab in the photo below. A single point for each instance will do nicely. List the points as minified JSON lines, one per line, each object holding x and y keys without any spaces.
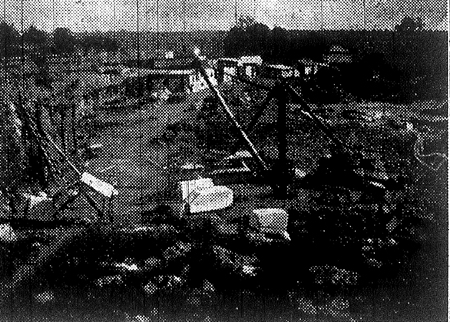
{"x":187,"y":187}
{"x":39,"y":207}
{"x":7,"y":234}
{"x":269,"y":220}
{"x":202,"y":196}
{"x":98,"y":185}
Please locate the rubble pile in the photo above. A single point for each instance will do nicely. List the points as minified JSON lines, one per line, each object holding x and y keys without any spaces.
{"x":340,"y":240}
{"x":200,"y":256}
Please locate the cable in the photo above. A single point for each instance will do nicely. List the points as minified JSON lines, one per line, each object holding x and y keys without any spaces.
{"x":419,"y":149}
{"x":5,"y":58}
{"x":22,"y":48}
{"x":236,"y":12}
{"x":140,"y":109}
{"x":157,"y":27}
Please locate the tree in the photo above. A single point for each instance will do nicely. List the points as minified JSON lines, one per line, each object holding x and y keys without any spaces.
{"x":63,"y":41}
{"x":410,"y":24}
{"x":97,"y":42}
{"x":35,"y":38}
{"x":248,"y":37}
{"x":9,"y":40}
{"x":245,"y":21}
{"x":35,"y":41}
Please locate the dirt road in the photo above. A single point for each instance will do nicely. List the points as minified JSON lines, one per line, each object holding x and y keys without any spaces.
{"x":130,"y":159}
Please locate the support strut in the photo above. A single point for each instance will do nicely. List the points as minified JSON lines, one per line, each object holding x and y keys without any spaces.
{"x":282,"y":166}
{"x":262,"y":167}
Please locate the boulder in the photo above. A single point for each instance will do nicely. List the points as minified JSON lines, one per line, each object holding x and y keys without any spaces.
{"x":162,"y":214}
{"x":7,"y":234}
{"x":224,"y":257}
{"x":248,"y":270}
{"x":195,"y":298}
{"x":177,"y":252}
{"x":109,"y":280}
{"x":258,"y":238}
{"x":39,"y":207}
{"x":152,"y":264}
{"x":270,"y":220}
{"x":208,"y":287}
{"x":44,"y":297}
{"x":150,"y":288}
{"x":174,"y":282}
{"x":331,"y":275}
{"x":5,"y":210}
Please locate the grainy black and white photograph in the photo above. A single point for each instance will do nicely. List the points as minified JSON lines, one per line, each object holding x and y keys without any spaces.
{"x":228,"y":160}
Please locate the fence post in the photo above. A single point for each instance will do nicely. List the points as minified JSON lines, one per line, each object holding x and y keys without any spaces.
{"x":282,"y":164}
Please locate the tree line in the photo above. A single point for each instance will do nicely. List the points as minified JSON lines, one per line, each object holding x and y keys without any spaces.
{"x":62,"y":41}
{"x":407,"y":63}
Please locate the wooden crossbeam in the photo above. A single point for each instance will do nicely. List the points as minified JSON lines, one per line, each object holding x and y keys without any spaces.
{"x":260,"y":162}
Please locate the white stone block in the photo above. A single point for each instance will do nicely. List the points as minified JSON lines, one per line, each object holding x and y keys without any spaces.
{"x":187,"y":187}
{"x":201,"y":195}
{"x":269,"y":220}
{"x":7,"y":234}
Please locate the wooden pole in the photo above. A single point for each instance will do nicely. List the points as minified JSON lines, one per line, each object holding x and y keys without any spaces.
{"x":282,"y":97}
{"x":90,"y":200}
{"x":62,"y":114}
{"x":260,"y":162}
{"x":307,"y":111}
{"x":260,"y":110}
{"x":74,"y":130}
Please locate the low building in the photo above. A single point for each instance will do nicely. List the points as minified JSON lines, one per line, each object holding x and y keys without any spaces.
{"x":175,"y":80}
{"x":245,"y":66}
{"x":226,"y":67}
{"x":250,"y":66}
{"x":338,"y":55}
{"x":274,"y":71}
{"x":112,"y":73}
{"x":307,"y":67}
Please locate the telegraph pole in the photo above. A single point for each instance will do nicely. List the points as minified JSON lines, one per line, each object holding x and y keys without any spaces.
{"x":22,"y":59}
{"x":236,"y":12}
{"x":184,"y":27}
{"x":321,"y":15}
{"x":4,"y":58}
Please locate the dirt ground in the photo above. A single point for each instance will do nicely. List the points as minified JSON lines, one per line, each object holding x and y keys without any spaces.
{"x":207,"y":269}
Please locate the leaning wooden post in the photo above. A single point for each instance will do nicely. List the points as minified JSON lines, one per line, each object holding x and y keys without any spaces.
{"x":282,"y":98}
{"x":305,"y":109}
{"x":74,"y":130}
{"x":62,"y":114}
{"x":260,"y":162}
{"x":249,"y":128}
{"x":74,"y":168}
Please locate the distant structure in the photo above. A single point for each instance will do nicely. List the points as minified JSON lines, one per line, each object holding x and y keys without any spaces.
{"x":338,"y":55}
{"x":226,"y":67}
{"x":308,"y":67}
{"x":250,"y":65}
{"x":177,"y":80}
{"x":275,"y":71}
{"x":245,"y":66}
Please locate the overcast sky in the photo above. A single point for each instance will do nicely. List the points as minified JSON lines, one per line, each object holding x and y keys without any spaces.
{"x":82,"y":15}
